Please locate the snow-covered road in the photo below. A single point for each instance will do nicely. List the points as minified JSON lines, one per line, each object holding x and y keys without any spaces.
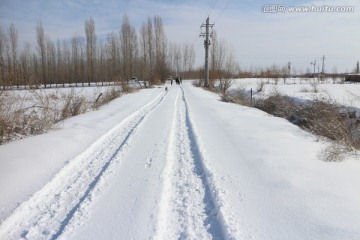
{"x":183,"y":165}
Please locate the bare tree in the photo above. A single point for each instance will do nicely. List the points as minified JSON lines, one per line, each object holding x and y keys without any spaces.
{"x":222,"y":63}
{"x":147,"y":49}
{"x":150,"y":45}
{"x":83,"y":65}
{"x":13,"y":37}
{"x":82,"y":60}
{"x":113,"y":54}
{"x":51,"y":60}
{"x":12,"y":55}
{"x":2,"y":58}
{"x":334,"y":74}
{"x":36,"y":70}
{"x":144,"y":62}
{"x":75,"y":52}
{"x":285,"y":73}
{"x":26,"y":65}
{"x":128,"y":48}
{"x":188,"y":57}
{"x":218,"y":55}
{"x":160,"y":49}
{"x":101,"y":70}
{"x":231,"y":69}
{"x":67,"y":63}
{"x":171,"y":57}
{"x":60,"y":64}
{"x":40,"y":37}
{"x":275,"y":73}
{"x":90,"y":48}
{"x":177,"y":58}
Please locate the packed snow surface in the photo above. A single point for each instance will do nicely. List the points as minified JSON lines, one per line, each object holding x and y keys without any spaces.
{"x":176,"y":164}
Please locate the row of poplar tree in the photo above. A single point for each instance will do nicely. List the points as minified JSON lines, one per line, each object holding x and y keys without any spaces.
{"x":145,"y":54}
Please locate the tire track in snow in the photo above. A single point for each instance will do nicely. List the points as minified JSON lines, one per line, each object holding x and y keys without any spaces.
{"x":188,"y":209}
{"x":47,"y":213}
{"x":215,"y":217}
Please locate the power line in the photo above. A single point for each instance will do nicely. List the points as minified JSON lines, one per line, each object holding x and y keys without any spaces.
{"x":210,"y":9}
{"x":227,"y":4}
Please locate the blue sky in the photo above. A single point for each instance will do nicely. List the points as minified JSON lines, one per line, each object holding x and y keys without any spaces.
{"x":258,"y":39}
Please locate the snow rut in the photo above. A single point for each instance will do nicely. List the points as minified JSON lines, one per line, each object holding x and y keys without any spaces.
{"x":48,"y":212}
{"x":188,"y":208}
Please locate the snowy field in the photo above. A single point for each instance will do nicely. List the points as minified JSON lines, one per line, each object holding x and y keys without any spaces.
{"x":179,"y":164}
{"x":346,"y":94}
{"x":28,"y":98}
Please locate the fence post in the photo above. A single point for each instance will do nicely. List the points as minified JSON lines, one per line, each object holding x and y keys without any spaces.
{"x":251,"y":97}
{"x":98,"y":97}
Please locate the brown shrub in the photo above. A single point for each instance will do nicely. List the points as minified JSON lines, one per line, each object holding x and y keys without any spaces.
{"x":239,"y":96}
{"x":198,"y":83}
{"x":18,"y":120}
{"x":278,"y":105}
{"x":318,"y":117}
{"x":74,"y":104}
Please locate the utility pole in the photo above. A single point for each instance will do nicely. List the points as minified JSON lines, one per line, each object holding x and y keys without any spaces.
{"x":289,"y":69}
{"x":207,"y":43}
{"x":357,"y":67}
{"x":323,"y":68}
{"x":314,"y":64}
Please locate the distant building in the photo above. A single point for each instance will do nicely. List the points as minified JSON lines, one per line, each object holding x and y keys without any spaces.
{"x":355,"y":77}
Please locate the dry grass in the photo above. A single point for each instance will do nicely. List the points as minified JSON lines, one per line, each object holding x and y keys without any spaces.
{"x":318,"y":117}
{"x":239,"y":96}
{"x":314,"y":87}
{"x":198,"y":83}
{"x":260,"y":86}
{"x":18,"y":119}
{"x":110,"y":94}
{"x":304,"y":89}
{"x":73,"y":104}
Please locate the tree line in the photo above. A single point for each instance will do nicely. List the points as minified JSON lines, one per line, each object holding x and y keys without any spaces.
{"x":84,"y":59}
{"x":145,"y":53}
